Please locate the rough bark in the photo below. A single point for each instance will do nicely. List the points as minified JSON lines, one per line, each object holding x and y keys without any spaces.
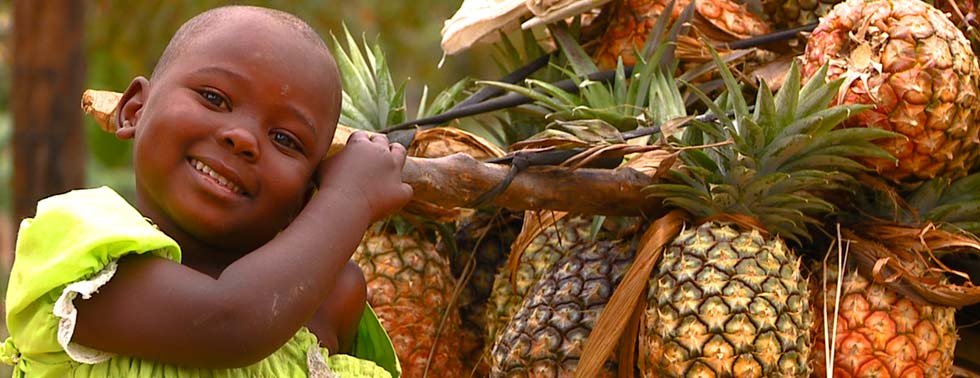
{"x":48,"y":74}
{"x":457,"y":180}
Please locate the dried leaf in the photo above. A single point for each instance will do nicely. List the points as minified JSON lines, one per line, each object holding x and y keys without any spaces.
{"x":101,"y":105}
{"x":535,"y":222}
{"x":611,"y":324}
{"x":477,"y":19}
{"x":904,"y":259}
{"x":445,"y":141}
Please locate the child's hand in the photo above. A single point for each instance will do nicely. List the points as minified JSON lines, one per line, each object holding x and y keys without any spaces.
{"x":369,"y":168}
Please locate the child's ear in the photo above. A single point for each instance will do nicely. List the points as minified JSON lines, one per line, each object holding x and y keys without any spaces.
{"x":130,"y":108}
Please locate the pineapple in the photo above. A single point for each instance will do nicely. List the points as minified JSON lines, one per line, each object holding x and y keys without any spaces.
{"x":482,"y":241}
{"x":792,"y":13}
{"x":557,"y":316}
{"x":542,"y":253}
{"x":630,"y":21}
{"x":917,"y":69}
{"x":881,"y":333}
{"x":728,"y":297}
{"x":727,"y":302}
{"x":884,"y":329}
{"x":410,"y":284}
{"x":963,"y":13}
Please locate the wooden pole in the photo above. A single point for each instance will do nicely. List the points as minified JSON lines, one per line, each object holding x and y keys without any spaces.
{"x":48,"y":77}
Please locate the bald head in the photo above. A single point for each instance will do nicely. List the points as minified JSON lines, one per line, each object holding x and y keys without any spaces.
{"x":194,"y":28}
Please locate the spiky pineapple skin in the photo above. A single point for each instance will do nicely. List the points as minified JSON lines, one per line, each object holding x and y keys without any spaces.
{"x":727,"y":303}
{"x":410,"y":288}
{"x":880,"y":333}
{"x":785,"y":14}
{"x":543,"y":252}
{"x":546,"y":336}
{"x":917,"y":69}
{"x":630,"y":22}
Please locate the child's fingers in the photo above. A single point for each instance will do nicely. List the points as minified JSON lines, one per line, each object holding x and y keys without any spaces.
{"x":379,"y":138}
{"x":408,"y":191}
{"x":359,"y":136}
{"x":400,"y":153}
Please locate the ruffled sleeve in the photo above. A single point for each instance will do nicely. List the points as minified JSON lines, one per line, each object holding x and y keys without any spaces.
{"x":69,"y":248}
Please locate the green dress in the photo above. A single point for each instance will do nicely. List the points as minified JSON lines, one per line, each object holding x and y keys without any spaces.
{"x":70,"y":248}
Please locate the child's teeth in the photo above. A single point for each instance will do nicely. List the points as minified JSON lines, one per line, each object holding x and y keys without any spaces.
{"x":221,"y":180}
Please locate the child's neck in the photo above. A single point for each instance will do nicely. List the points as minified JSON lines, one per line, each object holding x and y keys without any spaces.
{"x":195,"y":254}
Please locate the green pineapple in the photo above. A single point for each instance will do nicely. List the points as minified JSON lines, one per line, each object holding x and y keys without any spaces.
{"x":560,"y":311}
{"x":572,"y":251}
{"x":728,"y":297}
{"x":541,"y":254}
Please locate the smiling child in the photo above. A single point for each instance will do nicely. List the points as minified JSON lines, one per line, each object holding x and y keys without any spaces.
{"x":235,"y":261}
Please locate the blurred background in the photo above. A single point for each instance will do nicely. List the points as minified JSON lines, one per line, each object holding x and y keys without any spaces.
{"x":123,"y":39}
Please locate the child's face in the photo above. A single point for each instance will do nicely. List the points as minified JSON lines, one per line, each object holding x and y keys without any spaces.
{"x":231,"y":132}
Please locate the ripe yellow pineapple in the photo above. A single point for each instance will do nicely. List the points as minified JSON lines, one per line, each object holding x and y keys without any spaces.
{"x":728,"y":298}
{"x":917,"y":69}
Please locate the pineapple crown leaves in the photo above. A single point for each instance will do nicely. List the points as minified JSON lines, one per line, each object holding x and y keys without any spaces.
{"x":782,"y":153}
{"x":949,"y":202}
{"x":645,"y":97}
{"x":371,"y":100}
{"x":638,"y":96}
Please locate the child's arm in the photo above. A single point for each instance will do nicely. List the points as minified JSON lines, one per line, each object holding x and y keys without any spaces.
{"x":160,"y":310}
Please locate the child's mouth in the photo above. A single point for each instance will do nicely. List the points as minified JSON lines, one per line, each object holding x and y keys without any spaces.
{"x":219,"y":179}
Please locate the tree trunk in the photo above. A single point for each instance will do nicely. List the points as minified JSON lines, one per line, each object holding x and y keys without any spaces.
{"x":48,"y":78}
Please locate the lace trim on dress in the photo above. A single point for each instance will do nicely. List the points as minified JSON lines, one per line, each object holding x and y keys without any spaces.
{"x":65,"y":310}
{"x":317,"y":365}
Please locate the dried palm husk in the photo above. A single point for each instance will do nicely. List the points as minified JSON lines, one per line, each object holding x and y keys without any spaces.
{"x":478,"y":19}
{"x":535,"y":222}
{"x":548,"y":11}
{"x":893,"y":254}
{"x":101,"y":106}
{"x":610,"y":328}
{"x":445,"y":141}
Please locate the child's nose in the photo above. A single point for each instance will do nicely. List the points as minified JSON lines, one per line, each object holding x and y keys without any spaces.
{"x":242,"y":142}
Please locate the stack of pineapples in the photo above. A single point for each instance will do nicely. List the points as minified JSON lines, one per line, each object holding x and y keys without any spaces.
{"x":739,"y":283}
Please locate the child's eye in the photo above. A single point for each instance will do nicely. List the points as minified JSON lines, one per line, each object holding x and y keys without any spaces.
{"x":214,"y":98}
{"x":286,"y":140}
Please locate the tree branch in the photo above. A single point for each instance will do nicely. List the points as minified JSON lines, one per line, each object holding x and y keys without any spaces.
{"x":457,"y":180}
